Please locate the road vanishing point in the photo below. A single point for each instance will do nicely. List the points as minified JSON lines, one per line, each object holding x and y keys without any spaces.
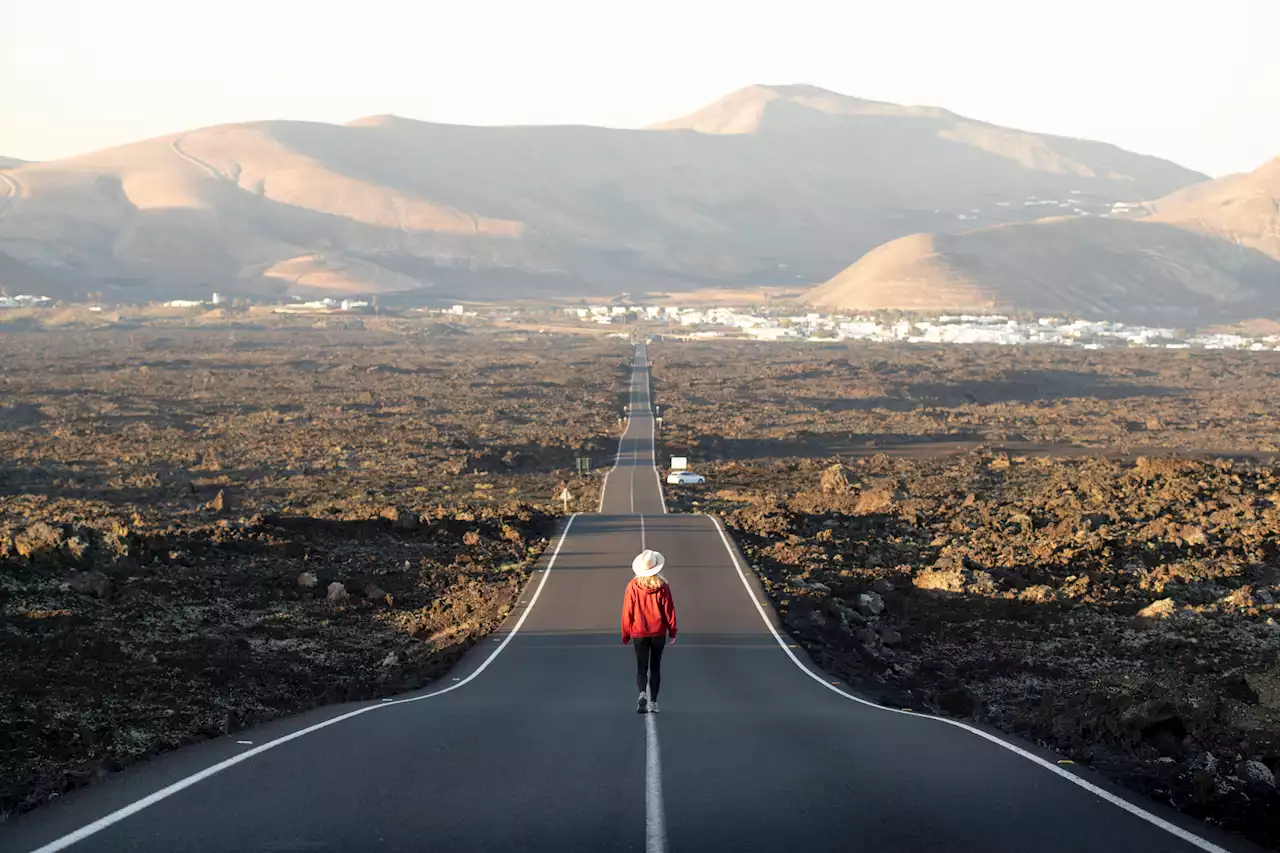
{"x":532,"y":742}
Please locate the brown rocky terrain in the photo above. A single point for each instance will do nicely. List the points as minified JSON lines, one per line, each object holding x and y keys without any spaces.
{"x":739,"y":399}
{"x":201,"y":529}
{"x":1119,"y":608}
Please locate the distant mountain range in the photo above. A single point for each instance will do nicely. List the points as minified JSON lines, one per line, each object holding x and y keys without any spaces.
{"x":770,"y":185}
{"x":1208,"y":253}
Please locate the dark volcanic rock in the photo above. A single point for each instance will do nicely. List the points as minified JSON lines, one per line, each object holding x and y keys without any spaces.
{"x":1119,"y":608}
{"x":96,"y":584}
{"x":170,"y":536}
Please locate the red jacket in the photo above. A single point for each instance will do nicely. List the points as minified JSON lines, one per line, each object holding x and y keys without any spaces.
{"x":647,"y":612}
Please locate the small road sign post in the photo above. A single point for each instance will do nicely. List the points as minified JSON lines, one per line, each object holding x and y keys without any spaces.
{"x":566,"y":497}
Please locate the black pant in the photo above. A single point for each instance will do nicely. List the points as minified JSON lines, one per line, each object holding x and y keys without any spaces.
{"x":649,"y":663}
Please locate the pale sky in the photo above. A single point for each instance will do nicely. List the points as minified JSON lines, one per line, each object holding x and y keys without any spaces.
{"x":1196,"y":81}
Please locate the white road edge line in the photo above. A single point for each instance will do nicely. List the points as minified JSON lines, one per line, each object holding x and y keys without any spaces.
{"x":603,"y":485}
{"x":655,"y":819}
{"x":631,"y":469}
{"x":653,"y":429}
{"x":627,"y":426}
{"x":169,"y":790}
{"x":1155,"y":820}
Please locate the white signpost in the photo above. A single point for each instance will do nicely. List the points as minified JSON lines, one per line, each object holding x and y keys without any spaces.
{"x":679,"y":463}
{"x":566,"y":497}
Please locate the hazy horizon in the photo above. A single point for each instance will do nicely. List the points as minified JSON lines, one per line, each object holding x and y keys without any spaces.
{"x":105,"y":75}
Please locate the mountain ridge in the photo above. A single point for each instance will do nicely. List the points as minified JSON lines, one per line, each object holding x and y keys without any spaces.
{"x":744,"y":111}
{"x":1206,"y":254}
{"x":454,"y":209}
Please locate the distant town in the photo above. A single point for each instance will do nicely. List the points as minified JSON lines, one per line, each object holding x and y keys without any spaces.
{"x":943,"y":329}
{"x":24,"y":301}
{"x":771,"y":324}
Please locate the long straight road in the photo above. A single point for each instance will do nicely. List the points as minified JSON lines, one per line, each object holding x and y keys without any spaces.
{"x":634,"y":485}
{"x":533,"y":743}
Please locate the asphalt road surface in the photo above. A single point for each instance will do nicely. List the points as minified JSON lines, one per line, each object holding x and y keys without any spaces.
{"x":534,"y":745}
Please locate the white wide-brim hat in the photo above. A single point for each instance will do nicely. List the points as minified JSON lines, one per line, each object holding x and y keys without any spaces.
{"x":648,"y":563}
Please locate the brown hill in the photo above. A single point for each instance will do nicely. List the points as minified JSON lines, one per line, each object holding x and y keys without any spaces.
{"x":323,"y":275}
{"x":1243,"y":209}
{"x":749,"y":110}
{"x":910,"y":138}
{"x":1208,"y":254}
{"x":772,"y":184}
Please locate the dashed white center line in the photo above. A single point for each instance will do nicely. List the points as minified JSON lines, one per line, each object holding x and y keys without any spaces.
{"x":655,"y":819}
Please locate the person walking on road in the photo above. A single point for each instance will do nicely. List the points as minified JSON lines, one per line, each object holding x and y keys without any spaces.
{"x":649,"y":618}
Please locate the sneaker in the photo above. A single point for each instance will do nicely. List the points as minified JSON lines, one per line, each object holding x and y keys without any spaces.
{"x":642,"y":704}
{"x":653,"y":707}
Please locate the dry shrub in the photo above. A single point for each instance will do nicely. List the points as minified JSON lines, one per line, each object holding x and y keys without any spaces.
{"x":876,"y":501}
{"x":837,"y":480}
